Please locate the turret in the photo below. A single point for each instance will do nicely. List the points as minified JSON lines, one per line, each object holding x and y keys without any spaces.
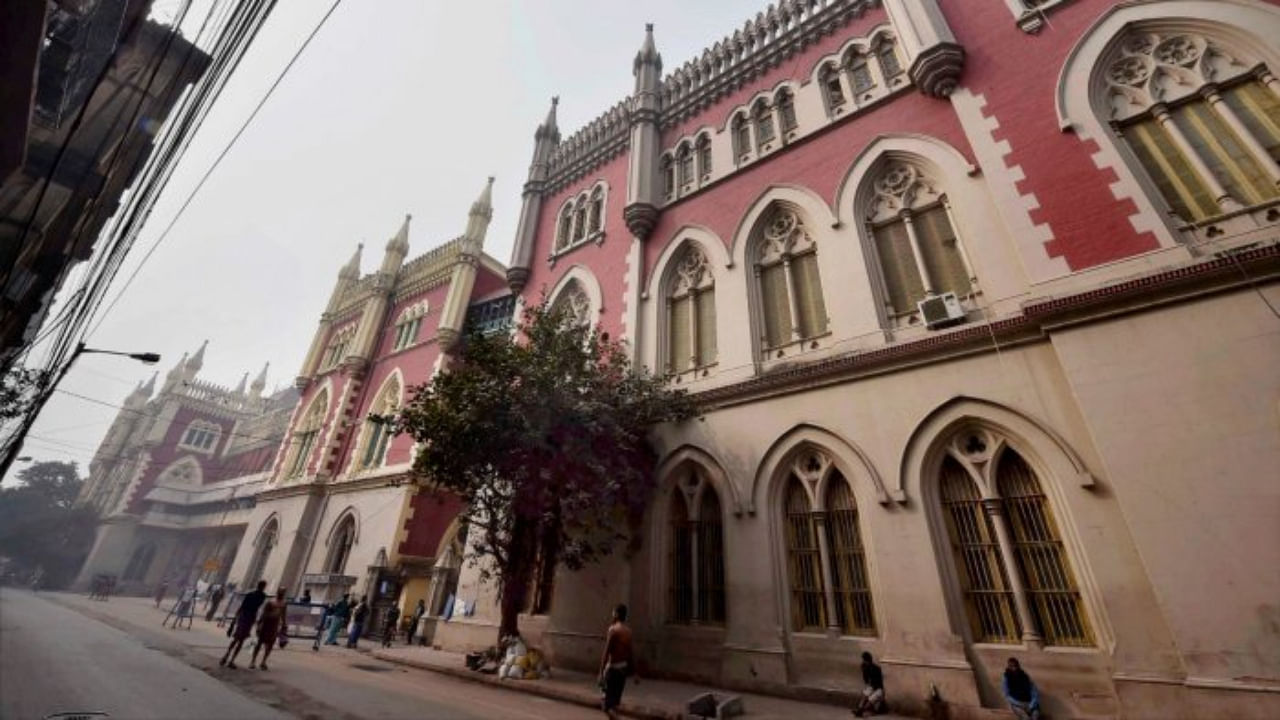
{"x":463,"y":280}
{"x":195,"y":364}
{"x":397,"y":249}
{"x":141,"y":394}
{"x":174,"y":376}
{"x":643,"y":173}
{"x":240,"y":386}
{"x":934,"y":58}
{"x":545,"y":140}
{"x":259,"y":383}
{"x":348,"y":276}
{"x":360,"y":351}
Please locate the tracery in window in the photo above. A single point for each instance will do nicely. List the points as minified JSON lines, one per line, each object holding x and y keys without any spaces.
{"x":826,"y":559}
{"x":408,"y":325}
{"x":338,"y":345}
{"x":1010,"y":561}
{"x":573,"y":305}
{"x":377,"y":426}
{"x":696,"y":551}
{"x":788,"y":282}
{"x":1202,"y":118}
{"x":304,"y":437}
{"x":691,"y":313}
{"x":909,"y":218}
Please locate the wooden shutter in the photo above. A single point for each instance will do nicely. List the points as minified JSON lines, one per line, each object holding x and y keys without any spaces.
{"x":941,"y":254}
{"x":901,"y":279}
{"x":706,"y":327}
{"x":775,"y":305}
{"x":811,"y":310}
{"x":984,"y":580}
{"x":1259,"y":109}
{"x":678,"y":338}
{"x":1228,"y":160}
{"x":1177,"y":181}
{"x":1051,"y":586}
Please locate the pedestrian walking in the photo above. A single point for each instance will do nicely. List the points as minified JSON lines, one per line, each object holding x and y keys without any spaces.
{"x":617,"y":663}
{"x":215,"y":600}
{"x":358,"y":616}
{"x":418,"y":613}
{"x":270,"y":627}
{"x":338,"y":619}
{"x":1020,"y":692}
{"x":322,"y":626}
{"x":389,"y":631}
{"x":160,"y":592}
{"x":242,"y":626}
{"x":872,"y":700}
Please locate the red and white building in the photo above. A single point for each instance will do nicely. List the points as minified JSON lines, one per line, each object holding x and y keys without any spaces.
{"x":981,"y":298}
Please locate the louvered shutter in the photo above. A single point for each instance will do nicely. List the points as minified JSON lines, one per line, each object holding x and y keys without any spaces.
{"x":775,"y":305}
{"x":706,"y":327}
{"x":901,"y":279}
{"x":678,"y":339}
{"x":941,"y":255}
{"x":812,"y":312}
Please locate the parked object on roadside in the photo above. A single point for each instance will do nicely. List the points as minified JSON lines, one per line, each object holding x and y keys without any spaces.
{"x":1020,"y":692}
{"x":521,"y":662}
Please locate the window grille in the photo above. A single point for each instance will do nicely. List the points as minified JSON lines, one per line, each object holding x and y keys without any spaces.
{"x":681,"y":561}
{"x":711,"y":598}
{"x":984,"y":579}
{"x":804,"y":561}
{"x":490,"y":317}
{"x":851,"y":589}
{"x":1051,"y":586}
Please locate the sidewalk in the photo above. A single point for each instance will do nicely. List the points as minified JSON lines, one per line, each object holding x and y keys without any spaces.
{"x":647,"y":699}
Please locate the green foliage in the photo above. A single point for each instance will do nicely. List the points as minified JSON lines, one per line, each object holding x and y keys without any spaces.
{"x":544,"y":437}
{"x":40,"y":527}
{"x":18,"y":390}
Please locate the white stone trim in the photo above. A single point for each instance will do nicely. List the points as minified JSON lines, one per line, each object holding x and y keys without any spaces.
{"x":357,"y":451}
{"x":570,"y":206}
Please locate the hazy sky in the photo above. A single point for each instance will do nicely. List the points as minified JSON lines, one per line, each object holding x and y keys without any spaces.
{"x":398,"y":106}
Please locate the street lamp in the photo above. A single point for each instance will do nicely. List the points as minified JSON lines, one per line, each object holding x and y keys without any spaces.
{"x":14,"y":445}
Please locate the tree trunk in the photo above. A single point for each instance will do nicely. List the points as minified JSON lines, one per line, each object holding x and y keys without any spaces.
{"x":521,"y":555}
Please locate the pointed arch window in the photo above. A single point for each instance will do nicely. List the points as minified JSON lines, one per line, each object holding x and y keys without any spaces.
{"x":266,"y":543}
{"x":826,"y":560}
{"x":765,"y":132}
{"x":408,"y":325}
{"x":887,"y":56}
{"x":668,"y":176}
{"x":786,"y":111}
{"x":696,"y":552}
{"x":579,"y":220}
{"x":789,"y":286}
{"x":704,"y":156}
{"x":564,"y":235}
{"x":860,"y":76}
{"x":691,"y":313}
{"x":1201,"y":117}
{"x":915,"y":243}
{"x":337,"y":351}
{"x":741,"y":136}
{"x":573,"y":305}
{"x":832,"y":88}
{"x":377,"y":426}
{"x":1014,"y":574}
{"x":684,"y":163}
{"x":344,"y":536}
{"x":304,"y":438}
{"x":201,"y":436}
{"x":595,"y":217}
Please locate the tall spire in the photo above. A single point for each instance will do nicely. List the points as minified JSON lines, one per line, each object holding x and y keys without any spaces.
{"x":194,"y":365}
{"x":648,"y":55}
{"x":397,"y":249}
{"x":478,"y":219}
{"x":150,"y":387}
{"x":244,"y":382}
{"x":351,"y":271}
{"x":260,"y":382}
{"x":175,"y":374}
{"x":548,"y":128}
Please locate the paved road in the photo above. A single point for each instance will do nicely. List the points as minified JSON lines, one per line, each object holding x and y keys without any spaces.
{"x":55,"y":660}
{"x":155,"y":665}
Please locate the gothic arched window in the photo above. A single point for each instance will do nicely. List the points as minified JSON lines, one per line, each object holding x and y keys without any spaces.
{"x":704,"y":156}
{"x":909,"y":218}
{"x":691,"y":313}
{"x":564,"y":233}
{"x":267,"y":539}
{"x":741,"y":136}
{"x":573,"y":305}
{"x":668,"y":176}
{"x":344,"y":536}
{"x":1202,"y":118}
{"x":786,"y":111}
{"x":377,"y":426}
{"x":580,"y":219}
{"x":304,"y":437}
{"x":887,"y":55}
{"x":595,"y":220}
{"x":826,"y":560}
{"x":696,"y":552}
{"x":763,"y":116}
{"x":832,"y":87}
{"x":790,"y":289}
{"x":1010,"y":529}
{"x":684,"y":164}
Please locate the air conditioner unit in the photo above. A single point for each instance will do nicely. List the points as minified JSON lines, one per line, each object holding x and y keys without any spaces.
{"x":941,"y":310}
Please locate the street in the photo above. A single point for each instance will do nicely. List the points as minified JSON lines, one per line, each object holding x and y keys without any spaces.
{"x":55,"y":659}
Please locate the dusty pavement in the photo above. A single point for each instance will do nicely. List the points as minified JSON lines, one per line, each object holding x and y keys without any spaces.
{"x":117,"y":657}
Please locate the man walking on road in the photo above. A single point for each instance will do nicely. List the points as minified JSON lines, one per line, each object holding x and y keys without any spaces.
{"x":358,"y":616}
{"x":392,"y":620}
{"x":269,"y":628}
{"x":616,"y":664}
{"x":338,"y":615}
{"x":242,"y":626}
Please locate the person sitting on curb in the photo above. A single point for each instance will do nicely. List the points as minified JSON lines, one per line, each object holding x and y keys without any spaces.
{"x":1020,"y":692}
{"x":872,"y":700}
